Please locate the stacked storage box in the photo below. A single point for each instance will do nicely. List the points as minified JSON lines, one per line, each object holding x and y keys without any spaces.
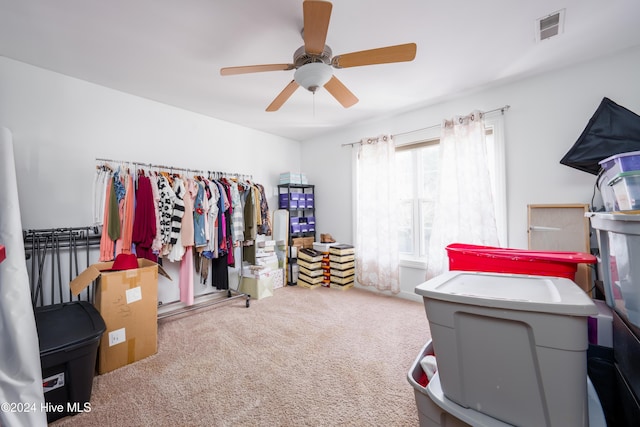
{"x":310,"y":267}
{"x":619,"y":181}
{"x":302,"y":224}
{"x":293,"y":178}
{"x":342,"y":263}
{"x":618,"y":236}
{"x":291,"y":200}
{"x":326,"y":266}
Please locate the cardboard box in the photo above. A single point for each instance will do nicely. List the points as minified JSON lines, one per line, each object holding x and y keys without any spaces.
{"x":257,"y":288}
{"x":303,"y":242}
{"x":128,"y":303}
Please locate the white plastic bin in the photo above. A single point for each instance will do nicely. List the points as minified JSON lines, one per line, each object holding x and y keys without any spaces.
{"x":619,"y":243}
{"x":511,"y":346}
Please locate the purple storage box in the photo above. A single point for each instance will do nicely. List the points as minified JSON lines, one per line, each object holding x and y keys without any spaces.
{"x":295,"y":228}
{"x":623,"y":162}
{"x":295,"y":220}
{"x":283,"y":201}
{"x":296,"y":196}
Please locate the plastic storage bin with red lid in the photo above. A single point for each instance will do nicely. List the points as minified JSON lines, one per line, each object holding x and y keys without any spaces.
{"x":465,"y":257}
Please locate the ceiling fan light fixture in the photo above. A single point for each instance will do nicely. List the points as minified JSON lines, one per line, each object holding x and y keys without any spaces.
{"x":312,"y":76}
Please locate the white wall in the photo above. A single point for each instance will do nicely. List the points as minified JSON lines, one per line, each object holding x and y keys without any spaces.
{"x":548,"y":112}
{"x":60,"y":125}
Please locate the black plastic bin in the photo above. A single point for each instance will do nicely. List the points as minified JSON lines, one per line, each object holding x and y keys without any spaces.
{"x":69,"y":335}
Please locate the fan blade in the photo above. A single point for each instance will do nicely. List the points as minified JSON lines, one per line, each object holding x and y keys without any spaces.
{"x":316,"y":25}
{"x":228,"y":71}
{"x":283,"y":96}
{"x":340,"y":92}
{"x":382,"y":55}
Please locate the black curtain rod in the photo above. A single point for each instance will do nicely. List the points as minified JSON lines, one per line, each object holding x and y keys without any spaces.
{"x":501,"y":109}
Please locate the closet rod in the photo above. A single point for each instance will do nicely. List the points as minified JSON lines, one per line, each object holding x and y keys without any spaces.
{"x":151,"y":165}
{"x":501,"y":109}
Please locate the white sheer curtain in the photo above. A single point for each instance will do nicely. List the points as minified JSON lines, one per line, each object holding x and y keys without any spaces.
{"x":376,"y":219}
{"x":464,"y":210}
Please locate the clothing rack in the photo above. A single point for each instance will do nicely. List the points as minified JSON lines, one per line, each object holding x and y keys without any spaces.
{"x":54,"y":258}
{"x":213,"y":297}
{"x":172,"y":169}
{"x":501,"y":109}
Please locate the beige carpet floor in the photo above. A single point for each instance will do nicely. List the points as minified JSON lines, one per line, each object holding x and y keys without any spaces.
{"x":302,"y":357}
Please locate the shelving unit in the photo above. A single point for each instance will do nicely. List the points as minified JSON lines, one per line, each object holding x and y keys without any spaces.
{"x":299,"y":200}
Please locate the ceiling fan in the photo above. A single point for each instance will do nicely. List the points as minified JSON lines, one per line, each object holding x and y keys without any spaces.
{"x":313,"y":61}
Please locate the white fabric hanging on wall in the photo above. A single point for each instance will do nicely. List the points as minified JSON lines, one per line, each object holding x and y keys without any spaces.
{"x":21,"y":392}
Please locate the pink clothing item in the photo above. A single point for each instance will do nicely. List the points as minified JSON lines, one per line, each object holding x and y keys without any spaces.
{"x":187,"y":230}
{"x":186,"y":277}
{"x":123,"y":245}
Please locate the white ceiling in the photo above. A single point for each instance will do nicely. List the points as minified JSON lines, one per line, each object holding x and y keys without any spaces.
{"x":171,"y":51}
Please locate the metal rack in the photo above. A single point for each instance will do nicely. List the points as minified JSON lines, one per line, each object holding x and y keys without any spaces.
{"x":290,"y":189}
{"x":54,"y":257}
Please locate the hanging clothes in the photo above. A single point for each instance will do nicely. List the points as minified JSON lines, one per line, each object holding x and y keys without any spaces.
{"x":177,"y":248}
{"x":264,"y":212}
{"x":113,"y":225}
{"x":214,"y":198}
{"x":101,"y":182}
{"x":165,"y":212}
{"x":106,"y":243}
{"x":250,"y":220}
{"x":127,"y":205}
{"x":223,"y":205}
{"x":144,"y":223}
{"x":237,"y":217}
{"x":228,"y":237}
{"x":156,"y":245}
{"x":194,"y":221}
{"x":200,"y":214}
{"x":220,"y":272}
{"x":187,"y":230}
{"x":186,"y":277}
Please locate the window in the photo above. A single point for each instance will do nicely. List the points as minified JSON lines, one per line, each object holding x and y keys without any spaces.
{"x":417,"y":168}
{"x":417,"y":172}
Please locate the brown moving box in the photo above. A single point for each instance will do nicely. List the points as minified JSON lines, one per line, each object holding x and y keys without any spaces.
{"x":302,"y":242}
{"x":128,"y":303}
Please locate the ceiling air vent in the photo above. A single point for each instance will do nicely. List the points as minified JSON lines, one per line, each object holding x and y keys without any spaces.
{"x":550,"y":25}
